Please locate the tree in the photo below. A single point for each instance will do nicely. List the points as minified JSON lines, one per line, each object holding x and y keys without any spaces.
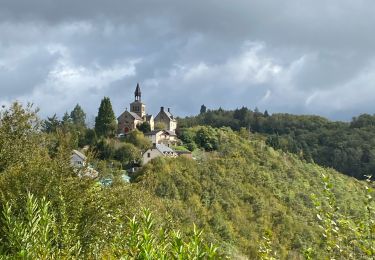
{"x":144,"y":127}
{"x":160,"y":126}
{"x":203,"y":109}
{"x":139,"y":140}
{"x":128,"y":154}
{"x":78,"y":116}
{"x":51,"y":124}
{"x":105,"y":122}
{"x":66,"y":119}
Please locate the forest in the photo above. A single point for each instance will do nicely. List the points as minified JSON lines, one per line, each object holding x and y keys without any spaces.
{"x":240,"y":197}
{"x":348,"y":147}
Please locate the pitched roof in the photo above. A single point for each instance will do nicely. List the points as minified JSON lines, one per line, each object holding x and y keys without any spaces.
{"x":163,"y":148}
{"x":170,"y":132}
{"x":79,"y":154}
{"x":169,"y":115}
{"x":154,"y":132}
{"x":135,"y":116}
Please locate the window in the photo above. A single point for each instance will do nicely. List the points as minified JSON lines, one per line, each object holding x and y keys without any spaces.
{"x":148,"y":155}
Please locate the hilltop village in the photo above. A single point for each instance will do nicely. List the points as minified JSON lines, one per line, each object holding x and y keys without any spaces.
{"x":160,"y":133}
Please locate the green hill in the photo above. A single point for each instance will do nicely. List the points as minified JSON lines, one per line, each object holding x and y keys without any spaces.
{"x":250,"y":200}
{"x":246,"y":193}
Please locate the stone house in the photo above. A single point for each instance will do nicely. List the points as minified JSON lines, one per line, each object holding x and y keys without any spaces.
{"x":166,"y":118}
{"x":156,"y":151}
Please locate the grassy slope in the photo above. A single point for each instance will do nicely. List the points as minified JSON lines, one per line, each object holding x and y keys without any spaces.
{"x":244,"y":189}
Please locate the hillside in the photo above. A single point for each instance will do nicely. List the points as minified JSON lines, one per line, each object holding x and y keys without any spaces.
{"x":250,"y":200}
{"x":347,"y":147}
{"x":246,"y":191}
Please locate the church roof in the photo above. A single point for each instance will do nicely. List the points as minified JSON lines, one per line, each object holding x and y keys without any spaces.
{"x":135,"y":116}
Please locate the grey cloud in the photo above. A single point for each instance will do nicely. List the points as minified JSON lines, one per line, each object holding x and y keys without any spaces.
{"x":306,"y":51}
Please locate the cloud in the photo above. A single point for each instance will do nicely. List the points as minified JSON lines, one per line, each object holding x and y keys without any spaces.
{"x":284,"y":56}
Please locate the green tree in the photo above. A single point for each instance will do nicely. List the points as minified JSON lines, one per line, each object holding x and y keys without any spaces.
{"x":51,"y":124}
{"x":78,"y":116}
{"x":203,"y":109}
{"x":138,"y":139}
{"x":144,"y":127}
{"x":128,"y":155}
{"x":105,"y":122}
{"x":160,"y":126}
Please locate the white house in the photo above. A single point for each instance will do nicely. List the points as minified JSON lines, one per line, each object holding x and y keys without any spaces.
{"x":162,"y":137}
{"x":78,"y":159}
{"x":156,"y":151}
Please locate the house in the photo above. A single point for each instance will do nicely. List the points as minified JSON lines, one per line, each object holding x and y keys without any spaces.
{"x":77,"y":159}
{"x":129,"y":120}
{"x":167,"y":119}
{"x":168,"y":138}
{"x":156,"y":151}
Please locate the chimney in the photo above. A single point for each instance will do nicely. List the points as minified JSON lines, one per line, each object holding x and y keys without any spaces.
{"x":169,"y":110}
{"x":161,"y":109}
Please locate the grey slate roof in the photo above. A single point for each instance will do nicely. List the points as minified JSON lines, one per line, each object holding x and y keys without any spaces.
{"x":80,"y":155}
{"x":163,"y":148}
{"x":172,"y":133}
{"x":154,"y":132}
{"x":135,"y":116}
{"x":169,"y":115}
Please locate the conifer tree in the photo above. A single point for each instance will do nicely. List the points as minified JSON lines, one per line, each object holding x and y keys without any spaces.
{"x":203,"y":109}
{"x":78,"y":116}
{"x":105,"y":122}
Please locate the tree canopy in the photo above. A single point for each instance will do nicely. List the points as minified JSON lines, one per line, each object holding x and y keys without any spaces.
{"x":105,"y":122}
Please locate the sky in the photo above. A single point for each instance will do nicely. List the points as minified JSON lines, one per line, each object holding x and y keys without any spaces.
{"x":292,"y":56}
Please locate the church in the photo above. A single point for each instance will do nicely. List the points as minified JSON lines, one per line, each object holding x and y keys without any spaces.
{"x":129,"y":120}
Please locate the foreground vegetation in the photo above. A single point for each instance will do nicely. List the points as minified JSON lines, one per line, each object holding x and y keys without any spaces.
{"x":249,"y":199}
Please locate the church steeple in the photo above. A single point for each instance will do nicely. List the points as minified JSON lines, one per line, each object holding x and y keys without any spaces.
{"x":137,"y":93}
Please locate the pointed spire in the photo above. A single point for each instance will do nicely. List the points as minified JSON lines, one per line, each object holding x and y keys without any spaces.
{"x":137,"y":93}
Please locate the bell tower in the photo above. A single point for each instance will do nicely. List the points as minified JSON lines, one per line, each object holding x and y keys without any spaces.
{"x":137,"y":106}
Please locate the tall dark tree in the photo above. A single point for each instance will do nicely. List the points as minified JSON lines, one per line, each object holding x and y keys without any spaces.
{"x":105,"y":122}
{"x":78,"y":116}
{"x":203,"y":109}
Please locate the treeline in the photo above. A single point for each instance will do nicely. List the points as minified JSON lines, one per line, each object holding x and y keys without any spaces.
{"x":346,"y":147}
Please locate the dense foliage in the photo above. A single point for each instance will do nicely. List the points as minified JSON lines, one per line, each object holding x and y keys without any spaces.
{"x":49,"y":212}
{"x":346,"y":147}
{"x":254,"y":198}
{"x":249,"y":199}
